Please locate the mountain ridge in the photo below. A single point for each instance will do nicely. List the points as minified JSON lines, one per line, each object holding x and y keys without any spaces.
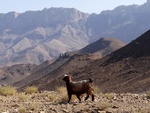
{"x":48,"y":67}
{"x":37,"y":36}
{"x":11,"y":74}
{"x":127,"y":74}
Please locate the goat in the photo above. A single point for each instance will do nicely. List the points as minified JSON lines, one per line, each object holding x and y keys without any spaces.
{"x":78,"y":88}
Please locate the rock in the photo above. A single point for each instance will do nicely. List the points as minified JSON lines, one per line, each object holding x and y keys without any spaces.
{"x":130,"y":102}
{"x":5,"y":112}
{"x":41,"y":112}
{"x":115,"y":107}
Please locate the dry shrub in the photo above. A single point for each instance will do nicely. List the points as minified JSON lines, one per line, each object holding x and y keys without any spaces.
{"x":144,"y":110}
{"x":52,"y":97}
{"x":7,"y":90}
{"x":109,"y":96}
{"x":148,"y":94}
{"x":22,"y":109}
{"x":63,"y":92}
{"x":1,"y":99}
{"x":34,"y":107}
{"x":104,"y":105}
{"x":61,"y":89}
{"x":96,"y":89}
{"x":3,"y":110}
{"x":22,"y":97}
{"x":83,"y":108}
{"x":31,"y":89}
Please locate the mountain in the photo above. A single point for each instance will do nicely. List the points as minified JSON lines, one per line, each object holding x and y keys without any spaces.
{"x":40,"y":71}
{"x":128,"y":68}
{"x":103,"y":47}
{"x":71,"y":61}
{"x":50,"y":72}
{"x":125,"y":70}
{"x":124,"y":22}
{"x":11,"y":74}
{"x":136,"y":49}
{"x":37,"y":36}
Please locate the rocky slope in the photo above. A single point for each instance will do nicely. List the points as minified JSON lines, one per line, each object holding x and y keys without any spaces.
{"x":125,"y":70}
{"x":92,"y":52}
{"x":43,"y":76}
{"x":12,"y":74}
{"x":41,"y":72}
{"x":34,"y":37}
{"x":37,"y":36}
{"x":48,"y":102}
{"x":103,"y":47}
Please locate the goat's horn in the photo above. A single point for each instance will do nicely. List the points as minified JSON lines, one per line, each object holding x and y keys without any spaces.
{"x":66,"y":75}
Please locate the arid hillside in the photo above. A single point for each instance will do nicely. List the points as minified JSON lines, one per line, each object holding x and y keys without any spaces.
{"x":36,"y":36}
{"x":11,"y":74}
{"x":55,"y":102}
{"x":125,"y":70}
{"x":51,"y":73}
{"x":70,"y":62}
{"x":103,"y":47}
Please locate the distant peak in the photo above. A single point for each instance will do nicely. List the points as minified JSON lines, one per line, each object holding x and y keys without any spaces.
{"x":148,"y":2}
{"x":13,"y":13}
{"x":59,"y":9}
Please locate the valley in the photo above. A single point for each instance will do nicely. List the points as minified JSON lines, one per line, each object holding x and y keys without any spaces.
{"x":112,"y":48}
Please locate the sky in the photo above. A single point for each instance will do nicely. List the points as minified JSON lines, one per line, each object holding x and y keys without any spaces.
{"x":87,"y":6}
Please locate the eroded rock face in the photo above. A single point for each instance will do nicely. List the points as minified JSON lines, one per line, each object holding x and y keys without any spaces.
{"x":36,"y":36}
{"x":33,"y":37}
{"x":11,"y":74}
{"x":51,"y":101}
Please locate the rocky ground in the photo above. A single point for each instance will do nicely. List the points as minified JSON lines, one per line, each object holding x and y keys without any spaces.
{"x":55,"y":102}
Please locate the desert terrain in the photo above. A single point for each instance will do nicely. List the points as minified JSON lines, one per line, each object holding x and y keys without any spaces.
{"x":56,"y":102}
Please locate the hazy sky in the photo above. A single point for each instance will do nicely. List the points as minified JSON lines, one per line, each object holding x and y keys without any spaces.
{"x":88,"y":6}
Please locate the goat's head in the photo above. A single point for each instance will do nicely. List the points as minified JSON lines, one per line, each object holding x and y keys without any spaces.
{"x":67,"y":78}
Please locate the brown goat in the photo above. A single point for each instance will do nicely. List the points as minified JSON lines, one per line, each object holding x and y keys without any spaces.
{"x":78,"y":88}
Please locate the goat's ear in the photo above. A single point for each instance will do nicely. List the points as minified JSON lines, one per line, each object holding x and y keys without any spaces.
{"x":90,"y":80}
{"x":64,"y":79}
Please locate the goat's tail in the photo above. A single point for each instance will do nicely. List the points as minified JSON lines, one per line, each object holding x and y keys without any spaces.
{"x":90,"y":80}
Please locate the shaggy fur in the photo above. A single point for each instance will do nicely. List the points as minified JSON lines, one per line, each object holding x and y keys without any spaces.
{"x":78,"y":88}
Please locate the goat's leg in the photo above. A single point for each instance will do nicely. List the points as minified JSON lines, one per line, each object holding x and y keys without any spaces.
{"x":87,"y":97}
{"x":78,"y":96}
{"x":69,"y":98}
{"x":92,"y":95}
